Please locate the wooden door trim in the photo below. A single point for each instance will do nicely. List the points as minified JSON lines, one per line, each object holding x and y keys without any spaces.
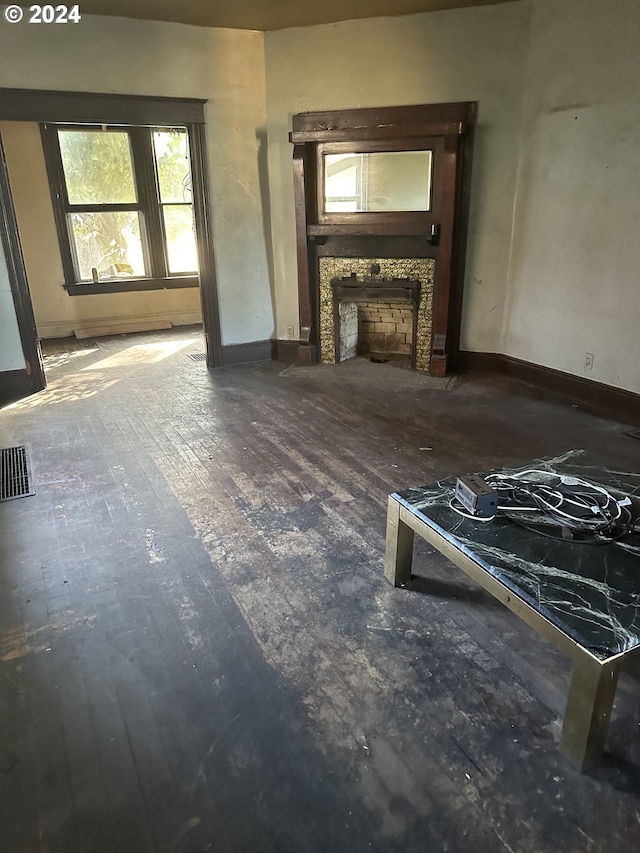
{"x":18,"y":283}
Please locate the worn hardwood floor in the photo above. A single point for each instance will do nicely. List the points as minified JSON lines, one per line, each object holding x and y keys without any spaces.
{"x":199,"y":651}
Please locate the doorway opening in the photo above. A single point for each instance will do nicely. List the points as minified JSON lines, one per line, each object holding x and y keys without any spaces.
{"x":109,"y":196}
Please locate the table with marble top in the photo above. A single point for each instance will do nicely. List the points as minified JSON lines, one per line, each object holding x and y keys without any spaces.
{"x":584,"y":598}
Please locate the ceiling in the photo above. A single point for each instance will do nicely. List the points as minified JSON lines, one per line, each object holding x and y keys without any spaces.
{"x":267,"y":14}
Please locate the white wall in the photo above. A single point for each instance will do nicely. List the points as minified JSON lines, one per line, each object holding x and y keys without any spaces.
{"x":459,"y":55}
{"x":11,"y":355}
{"x":576,"y":249}
{"x":105,"y":54}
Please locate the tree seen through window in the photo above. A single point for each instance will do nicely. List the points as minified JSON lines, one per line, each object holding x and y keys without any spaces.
{"x":128,"y":202}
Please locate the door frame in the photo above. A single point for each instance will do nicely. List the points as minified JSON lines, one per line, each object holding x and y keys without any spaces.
{"x":18,"y":283}
{"x":34,"y":105}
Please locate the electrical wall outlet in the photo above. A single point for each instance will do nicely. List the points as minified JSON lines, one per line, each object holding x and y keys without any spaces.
{"x":588,"y":360}
{"x":290,"y":333}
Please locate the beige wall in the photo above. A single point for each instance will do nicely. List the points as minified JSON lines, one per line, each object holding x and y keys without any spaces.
{"x":461,"y":55}
{"x":147,"y":58}
{"x":553,"y":252}
{"x":576,"y":248}
{"x":58,"y":314}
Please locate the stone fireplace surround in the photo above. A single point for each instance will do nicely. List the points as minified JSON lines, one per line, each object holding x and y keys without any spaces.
{"x":400,"y":274}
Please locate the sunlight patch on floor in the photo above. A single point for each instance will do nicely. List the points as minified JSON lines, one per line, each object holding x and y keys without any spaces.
{"x":58,"y":359}
{"x":140,"y":354}
{"x":66,"y":389}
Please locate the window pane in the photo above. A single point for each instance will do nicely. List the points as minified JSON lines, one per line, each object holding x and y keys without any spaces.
{"x":97,"y":166}
{"x":377,"y":181}
{"x":182,"y":255}
{"x":172,"y":159}
{"x":109,"y":242}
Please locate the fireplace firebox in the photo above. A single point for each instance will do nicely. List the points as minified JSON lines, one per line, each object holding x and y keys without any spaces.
{"x":375,"y":316}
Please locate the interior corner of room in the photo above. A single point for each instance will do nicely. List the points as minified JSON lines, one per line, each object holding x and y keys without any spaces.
{"x":555,"y":148}
{"x":340,"y":258}
{"x":551,"y":146}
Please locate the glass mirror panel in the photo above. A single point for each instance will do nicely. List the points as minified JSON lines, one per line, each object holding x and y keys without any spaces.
{"x":377,"y":181}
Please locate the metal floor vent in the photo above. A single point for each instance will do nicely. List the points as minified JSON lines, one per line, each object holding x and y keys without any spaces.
{"x":197,"y":356}
{"x":15,"y":474}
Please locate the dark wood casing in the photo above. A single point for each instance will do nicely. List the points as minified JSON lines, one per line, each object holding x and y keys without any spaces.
{"x":440,"y":233}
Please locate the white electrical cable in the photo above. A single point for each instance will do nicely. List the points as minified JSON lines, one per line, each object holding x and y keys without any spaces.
{"x":466,"y":514}
{"x":569,"y":502}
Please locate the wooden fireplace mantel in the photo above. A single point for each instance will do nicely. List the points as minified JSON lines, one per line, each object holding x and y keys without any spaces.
{"x":439,"y":233}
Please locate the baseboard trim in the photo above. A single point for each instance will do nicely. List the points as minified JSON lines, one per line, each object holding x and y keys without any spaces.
{"x":14,"y":384}
{"x":162,"y":319}
{"x":596,"y":397}
{"x":287,"y":351}
{"x":247,"y":353}
{"x":122,"y":329}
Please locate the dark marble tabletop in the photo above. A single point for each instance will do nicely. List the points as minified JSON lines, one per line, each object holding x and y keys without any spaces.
{"x":589,"y":591}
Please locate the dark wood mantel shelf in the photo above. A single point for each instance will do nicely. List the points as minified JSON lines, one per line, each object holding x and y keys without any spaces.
{"x":362,"y":230}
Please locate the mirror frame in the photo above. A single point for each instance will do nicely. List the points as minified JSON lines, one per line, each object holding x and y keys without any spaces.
{"x":397,"y":217}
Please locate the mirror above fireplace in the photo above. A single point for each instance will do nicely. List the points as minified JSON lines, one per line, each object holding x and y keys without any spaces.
{"x":376,"y":181}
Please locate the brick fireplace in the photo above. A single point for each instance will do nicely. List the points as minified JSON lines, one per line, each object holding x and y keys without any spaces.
{"x":385,"y":329}
{"x":376,"y":306}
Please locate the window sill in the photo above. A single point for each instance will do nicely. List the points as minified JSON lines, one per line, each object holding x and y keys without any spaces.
{"x":91,"y":288}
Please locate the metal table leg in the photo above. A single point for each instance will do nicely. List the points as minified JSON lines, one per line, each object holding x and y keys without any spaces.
{"x":399,"y":546}
{"x":586,"y":718}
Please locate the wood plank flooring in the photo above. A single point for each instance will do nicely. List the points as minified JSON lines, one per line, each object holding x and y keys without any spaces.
{"x":199,"y":651}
